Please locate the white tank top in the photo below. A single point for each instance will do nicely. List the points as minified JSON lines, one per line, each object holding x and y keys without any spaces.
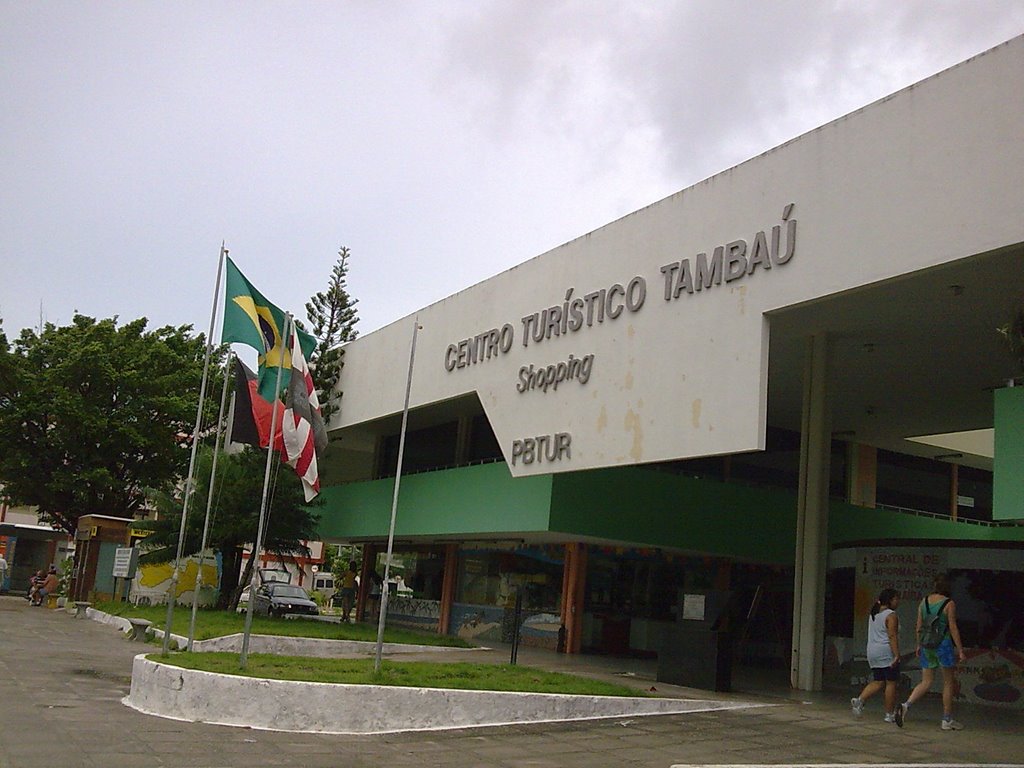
{"x":879,"y":651}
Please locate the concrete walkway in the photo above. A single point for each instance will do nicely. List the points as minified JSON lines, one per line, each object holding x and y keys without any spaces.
{"x":62,"y":681}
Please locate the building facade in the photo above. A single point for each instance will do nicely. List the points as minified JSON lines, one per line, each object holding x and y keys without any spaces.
{"x":713,"y":396}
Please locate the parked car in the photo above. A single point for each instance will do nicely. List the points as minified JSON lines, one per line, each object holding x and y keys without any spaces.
{"x":277,"y":599}
{"x":266,"y":575}
{"x":243,"y":601}
{"x":263,"y":576}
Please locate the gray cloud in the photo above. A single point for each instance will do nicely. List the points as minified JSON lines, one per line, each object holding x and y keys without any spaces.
{"x":442,"y":142}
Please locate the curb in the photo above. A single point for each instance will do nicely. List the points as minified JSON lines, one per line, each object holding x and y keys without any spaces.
{"x":284,"y":705}
{"x":279,"y":644}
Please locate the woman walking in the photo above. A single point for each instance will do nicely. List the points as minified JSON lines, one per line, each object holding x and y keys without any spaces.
{"x":937,"y":616}
{"x":883,"y":652}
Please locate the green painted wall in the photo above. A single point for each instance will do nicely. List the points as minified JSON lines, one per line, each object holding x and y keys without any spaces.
{"x":652,"y":508}
{"x":1008,"y":470}
{"x":469,"y":500}
{"x":633,"y":505}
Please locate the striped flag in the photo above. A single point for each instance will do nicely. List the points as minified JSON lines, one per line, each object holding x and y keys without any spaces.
{"x":304,"y":431}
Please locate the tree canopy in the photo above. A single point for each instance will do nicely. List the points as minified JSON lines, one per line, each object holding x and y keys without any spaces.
{"x":238,"y":492}
{"x":332,"y":315}
{"x":95,"y":415}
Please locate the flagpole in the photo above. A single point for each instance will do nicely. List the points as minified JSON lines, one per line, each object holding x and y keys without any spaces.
{"x":209,"y":500}
{"x":244,"y":658}
{"x":172,"y":589}
{"x":394,"y":503}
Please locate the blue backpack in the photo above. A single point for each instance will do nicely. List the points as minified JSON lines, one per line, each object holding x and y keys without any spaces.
{"x":933,"y":630}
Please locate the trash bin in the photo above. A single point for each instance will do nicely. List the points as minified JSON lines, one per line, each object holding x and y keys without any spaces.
{"x":696,"y":657}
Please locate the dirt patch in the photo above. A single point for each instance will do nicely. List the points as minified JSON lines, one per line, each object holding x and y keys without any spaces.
{"x":96,"y":674}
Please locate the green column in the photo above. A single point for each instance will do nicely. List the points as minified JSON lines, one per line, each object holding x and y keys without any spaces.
{"x":1008,"y":469}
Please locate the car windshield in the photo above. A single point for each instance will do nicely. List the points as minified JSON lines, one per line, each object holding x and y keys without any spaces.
{"x":285,"y":590}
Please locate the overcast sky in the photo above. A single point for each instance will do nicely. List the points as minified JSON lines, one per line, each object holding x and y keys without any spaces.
{"x":442,"y":142}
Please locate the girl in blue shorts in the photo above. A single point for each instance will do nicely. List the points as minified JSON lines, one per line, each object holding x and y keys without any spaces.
{"x":945,"y":657}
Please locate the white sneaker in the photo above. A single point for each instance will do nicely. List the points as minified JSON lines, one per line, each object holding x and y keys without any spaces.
{"x":857,"y":706}
{"x":951,"y":725}
{"x":889,"y":717}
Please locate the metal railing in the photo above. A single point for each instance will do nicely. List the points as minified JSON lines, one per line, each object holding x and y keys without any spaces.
{"x":939,"y":516}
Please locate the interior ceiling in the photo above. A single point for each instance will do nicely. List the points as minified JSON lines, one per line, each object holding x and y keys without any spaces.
{"x":917,"y":355}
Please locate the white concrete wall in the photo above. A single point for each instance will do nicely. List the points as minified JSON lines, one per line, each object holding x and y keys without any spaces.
{"x":927,"y":176}
{"x":182,"y":694}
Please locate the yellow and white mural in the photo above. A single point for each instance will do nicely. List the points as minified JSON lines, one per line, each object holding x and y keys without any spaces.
{"x":152,"y":581}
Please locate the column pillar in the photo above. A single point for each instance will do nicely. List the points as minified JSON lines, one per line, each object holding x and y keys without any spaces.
{"x":574,"y":577}
{"x":812,"y":521}
{"x":954,"y":490}
{"x":862,"y":479}
{"x":365,"y":569}
{"x":463,"y":439}
{"x":451,"y":561}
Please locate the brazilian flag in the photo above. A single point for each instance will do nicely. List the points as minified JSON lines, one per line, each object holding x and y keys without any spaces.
{"x":252,"y":320}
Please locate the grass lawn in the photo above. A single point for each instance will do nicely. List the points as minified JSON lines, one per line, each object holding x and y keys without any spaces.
{"x":215,"y":623}
{"x":458,"y":675}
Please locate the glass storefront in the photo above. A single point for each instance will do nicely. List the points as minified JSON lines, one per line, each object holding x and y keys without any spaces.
{"x":489,"y":581}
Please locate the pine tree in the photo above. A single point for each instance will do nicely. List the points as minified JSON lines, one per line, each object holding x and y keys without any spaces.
{"x":332,"y":317}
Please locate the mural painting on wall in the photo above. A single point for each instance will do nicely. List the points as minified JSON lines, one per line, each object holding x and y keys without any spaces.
{"x":541,"y":630}
{"x":994,"y":677}
{"x":911,"y":572}
{"x":152,"y":582}
{"x":414,"y":613}
{"x":485,"y":623}
{"x":989,"y":607}
{"x":478,"y":623}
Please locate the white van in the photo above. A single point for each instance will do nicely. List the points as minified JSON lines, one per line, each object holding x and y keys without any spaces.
{"x":323,"y":582}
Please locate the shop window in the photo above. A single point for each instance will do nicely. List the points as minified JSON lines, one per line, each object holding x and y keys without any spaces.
{"x":425,"y":449}
{"x":489,"y":577}
{"x":912,"y":482}
{"x":974,"y":492}
{"x":418,"y":573}
{"x":483,"y":445}
{"x":989,"y":607}
{"x":839,"y":588}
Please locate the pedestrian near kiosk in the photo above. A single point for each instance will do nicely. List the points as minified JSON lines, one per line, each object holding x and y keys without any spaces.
{"x":883,"y":652}
{"x":35,"y":582}
{"x":936,"y":615}
{"x":47,"y":587}
{"x":348,"y":590}
{"x":3,"y":574}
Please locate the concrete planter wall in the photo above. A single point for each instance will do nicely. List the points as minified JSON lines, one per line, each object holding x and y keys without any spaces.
{"x":181,"y":694}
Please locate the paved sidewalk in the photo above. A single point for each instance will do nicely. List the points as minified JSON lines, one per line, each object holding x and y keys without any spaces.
{"x":62,"y":680}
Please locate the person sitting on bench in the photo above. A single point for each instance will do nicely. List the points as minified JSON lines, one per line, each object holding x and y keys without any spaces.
{"x":48,"y":587}
{"x":35,"y":581}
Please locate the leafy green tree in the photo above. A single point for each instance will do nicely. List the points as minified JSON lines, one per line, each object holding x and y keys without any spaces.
{"x":238,"y":492}
{"x":332,"y":317}
{"x":94,"y":415}
{"x":343,"y":555}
